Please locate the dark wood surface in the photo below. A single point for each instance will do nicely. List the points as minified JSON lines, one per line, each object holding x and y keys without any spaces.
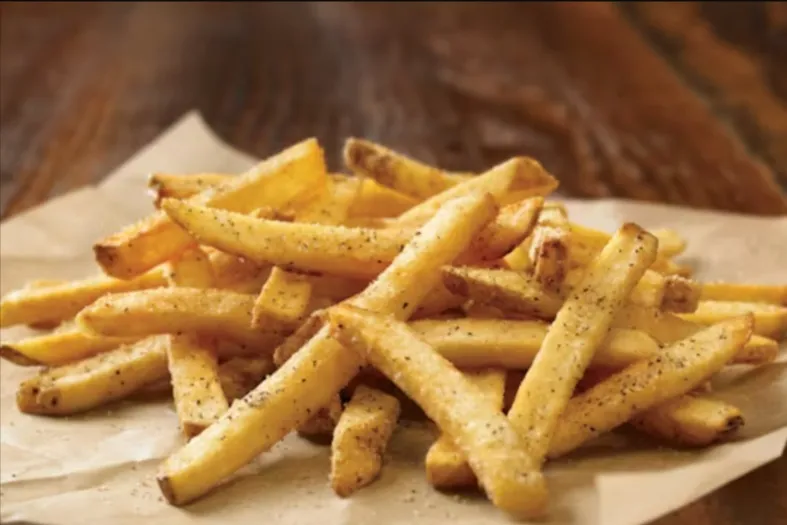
{"x":679,"y":103}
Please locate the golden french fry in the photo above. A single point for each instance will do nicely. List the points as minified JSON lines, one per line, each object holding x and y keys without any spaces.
{"x":239,"y":375}
{"x":181,"y":310}
{"x":770,"y":320}
{"x":577,"y":331}
{"x":377,"y":201}
{"x":649,"y":291}
{"x":752,"y":293}
{"x":283,"y":300}
{"x":446,"y":466}
{"x":196,"y":388}
{"x":274,"y":182}
{"x":59,"y":302}
{"x":670,"y":242}
{"x":675,"y":371}
{"x":348,"y":252}
{"x":169,"y":185}
{"x":511,"y":181}
{"x":549,"y":248}
{"x":693,"y":420}
{"x":320,"y":427}
{"x":360,"y":438}
{"x":505,"y":289}
{"x":498,"y":343}
{"x":59,"y":348}
{"x":510,"y":227}
{"x":392,"y":169}
{"x":230,"y":271}
{"x":314,"y":374}
{"x":667,"y":328}
{"x":332,"y":204}
{"x":680,"y":294}
{"x":495,"y":452}
{"x":98,"y":380}
{"x":191,"y":269}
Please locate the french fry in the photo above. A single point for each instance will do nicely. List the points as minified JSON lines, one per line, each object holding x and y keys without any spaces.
{"x":750,"y":293}
{"x":668,"y":328}
{"x":283,"y":300}
{"x":230,"y":270}
{"x":675,"y":371}
{"x":511,"y":181}
{"x":169,"y":185}
{"x":690,"y":420}
{"x":504,"y":289}
{"x":439,"y":301}
{"x":274,"y":182}
{"x":549,"y":248}
{"x":98,"y":380}
{"x":377,"y":201}
{"x":348,"y":252}
{"x":510,"y":227}
{"x":191,"y":269}
{"x":394,"y":170}
{"x":360,"y":438}
{"x":332,"y":204}
{"x":769,"y":320}
{"x":577,"y":331}
{"x":176,"y":310}
{"x":59,"y":302}
{"x":315,"y":373}
{"x":649,"y":291}
{"x":196,"y":388}
{"x":509,"y":344}
{"x":680,"y":294}
{"x":446,"y":467}
{"x":59,"y":348}
{"x":239,"y":375}
{"x":670,"y":242}
{"x":495,"y":452}
{"x":321,"y":426}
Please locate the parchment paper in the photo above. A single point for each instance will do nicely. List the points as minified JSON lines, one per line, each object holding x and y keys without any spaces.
{"x":100,"y":468}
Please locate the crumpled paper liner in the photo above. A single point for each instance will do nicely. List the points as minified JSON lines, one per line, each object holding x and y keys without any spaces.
{"x":100,"y":467}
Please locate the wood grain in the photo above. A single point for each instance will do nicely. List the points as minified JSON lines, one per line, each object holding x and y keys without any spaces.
{"x":683,"y":103}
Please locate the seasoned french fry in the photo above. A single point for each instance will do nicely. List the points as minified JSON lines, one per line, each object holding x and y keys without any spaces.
{"x":174,"y":310}
{"x":196,"y":388}
{"x":446,"y":466}
{"x":549,"y":248}
{"x":395,"y":170}
{"x":510,"y":227}
{"x":649,"y":291}
{"x":680,"y":294}
{"x":377,"y":201}
{"x":675,"y":371}
{"x":511,"y":181}
{"x":239,"y":375}
{"x":439,"y":301}
{"x":332,"y":204}
{"x":283,"y":300}
{"x":751,"y":293}
{"x":98,"y":380}
{"x":59,"y":348}
{"x":230,"y":270}
{"x":693,"y":420}
{"x":670,"y":242}
{"x":168,"y":185}
{"x":315,"y":373}
{"x":360,"y":438}
{"x":578,"y":330}
{"x":482,"y":343}
{"x":321,"y":425}
{"x":519,"y":259}
{"x":349,"y":252}
{"x":495,"y":452}
{"x":668,"y":328}
{"x":59,"y":302}
{"x":191,"y":269}
{"x":274,"y":182}
{"x":769,"y":320}
{"x":504,"y":289}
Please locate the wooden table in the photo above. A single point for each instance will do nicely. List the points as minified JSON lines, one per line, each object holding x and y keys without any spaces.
{"x":680,"y":103}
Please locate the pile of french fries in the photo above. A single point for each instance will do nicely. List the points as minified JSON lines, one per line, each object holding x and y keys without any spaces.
{"x":290,"y":299}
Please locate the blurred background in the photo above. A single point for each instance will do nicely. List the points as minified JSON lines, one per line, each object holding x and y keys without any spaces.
{"x":683,"y":103}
